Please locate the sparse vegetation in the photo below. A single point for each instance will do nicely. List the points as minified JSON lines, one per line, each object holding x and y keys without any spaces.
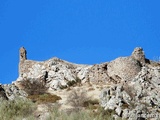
{"x":45,"y":98}
{"x":100,"y":114}
{"x":91,"y":103}
{"x":34,"y":87}
{"x":63,"y":86}
{"x":16,"y":109}
{"x":20,"y":109}
{"x":77,"y":98}
{"x":77,"y":81}
{"x":91,"y":89}
{"x":71,"y":83}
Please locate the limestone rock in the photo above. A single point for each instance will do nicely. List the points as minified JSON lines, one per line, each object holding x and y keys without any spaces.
{"x":137,"y":98}
{"x":12,"y":92}
{"x":109,"y":101}
{"x":119,"y":111}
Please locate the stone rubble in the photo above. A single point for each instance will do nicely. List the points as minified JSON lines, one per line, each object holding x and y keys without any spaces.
{"x":137,"y":97}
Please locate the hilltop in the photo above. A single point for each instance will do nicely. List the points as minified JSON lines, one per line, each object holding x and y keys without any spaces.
{"x":128,"y":86}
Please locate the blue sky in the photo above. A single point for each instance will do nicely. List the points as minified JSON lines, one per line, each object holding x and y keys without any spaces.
{"x":79,"y":31}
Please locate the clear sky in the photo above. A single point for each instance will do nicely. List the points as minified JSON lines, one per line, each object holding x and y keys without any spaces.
{"x":79,"y":31}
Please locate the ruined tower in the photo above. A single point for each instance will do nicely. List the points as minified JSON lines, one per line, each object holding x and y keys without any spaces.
{"x":138,"y":54}
{"x":22,"y":58}
{"x":22,"y":54}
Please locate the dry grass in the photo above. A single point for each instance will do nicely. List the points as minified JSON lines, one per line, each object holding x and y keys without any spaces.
{"x":16,"y":109}
{"x":91,"y":89}
{"x":91,"y":103}
{"x":45,"y":98}
{"x":24,"y":109}
{"x":100,"y":114}
{"x":77,"y":98}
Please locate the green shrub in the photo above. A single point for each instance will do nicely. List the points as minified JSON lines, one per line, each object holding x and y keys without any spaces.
{"x":16,"y":109}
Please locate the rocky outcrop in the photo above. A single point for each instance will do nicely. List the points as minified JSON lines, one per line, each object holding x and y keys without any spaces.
{"x":138,"y":98}
{"x":2,"y":93}
{"x":12,"y":92}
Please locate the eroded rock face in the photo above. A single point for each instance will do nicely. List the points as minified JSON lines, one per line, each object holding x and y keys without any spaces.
{"x":137,"y":98}
{"x":12,"y":92}
{"x":2,"y":93}
{"x":138,"y":54}
{"x":125,"y":68}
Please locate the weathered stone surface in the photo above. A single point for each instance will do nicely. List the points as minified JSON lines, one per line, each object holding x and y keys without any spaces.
{"x":98,"y":74}
{"x":2,"y":93}
{"x":125,"y":68}
{"x":138,"y":54}
{"x":53,"y":72}
{"x":23,"y":54}
{"x":12,"y":92}
{"x":119,"y":111}
{"x":136,"y":98}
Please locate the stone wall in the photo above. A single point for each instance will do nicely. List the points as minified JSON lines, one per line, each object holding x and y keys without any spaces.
{"x":56,"y":73}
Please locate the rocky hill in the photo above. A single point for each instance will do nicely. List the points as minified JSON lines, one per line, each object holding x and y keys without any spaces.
{"x":129,"y":86}
{"x":56,"y":73}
